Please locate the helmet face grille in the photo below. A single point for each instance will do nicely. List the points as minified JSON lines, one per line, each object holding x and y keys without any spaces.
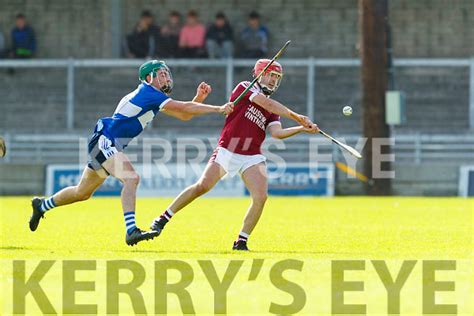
{"x":151,"y":68}
{"x":275,"y":68}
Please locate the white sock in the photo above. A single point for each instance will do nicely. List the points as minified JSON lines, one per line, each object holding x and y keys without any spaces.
{"x":243,"y":236}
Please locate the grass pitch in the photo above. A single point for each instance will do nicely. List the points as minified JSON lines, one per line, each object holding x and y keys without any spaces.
{"x":316,"y":231}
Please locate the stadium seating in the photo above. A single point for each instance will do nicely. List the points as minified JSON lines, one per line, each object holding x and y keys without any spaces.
{"x":437,"y":97}
{"x":35,"y":100}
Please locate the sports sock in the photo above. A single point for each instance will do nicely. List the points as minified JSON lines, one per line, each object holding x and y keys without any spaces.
{"x":243,"y":236}
{"x":129,"y":221}
{"x":47,"y":204}
{"x":165,"y":217}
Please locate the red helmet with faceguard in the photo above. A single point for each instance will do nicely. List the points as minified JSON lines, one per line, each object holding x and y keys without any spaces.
{"x":275,"y":69}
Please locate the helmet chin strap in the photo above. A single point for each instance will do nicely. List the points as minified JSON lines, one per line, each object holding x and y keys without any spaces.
{"x":266,"y":91}
{"x":165,"y":89}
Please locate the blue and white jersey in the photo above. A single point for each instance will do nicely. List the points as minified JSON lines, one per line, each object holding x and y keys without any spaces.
{"x":132,"y":114}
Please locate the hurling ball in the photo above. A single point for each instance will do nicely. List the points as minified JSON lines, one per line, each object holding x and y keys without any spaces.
{"x":347,"y":110}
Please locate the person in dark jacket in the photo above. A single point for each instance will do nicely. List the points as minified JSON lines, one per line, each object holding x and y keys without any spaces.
{"x":143,"y":41}
{"x":23,"y":39}
{"x":219,"y":38}
{"x":254,"y":38}
{"x":170,"y":36}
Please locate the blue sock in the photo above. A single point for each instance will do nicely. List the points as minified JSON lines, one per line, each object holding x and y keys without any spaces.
{"x":130,"y":221}
{"x":48,"y":204}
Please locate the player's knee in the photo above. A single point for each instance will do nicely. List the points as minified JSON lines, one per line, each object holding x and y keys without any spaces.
{"x":202,"y":187}
{"x":82,"y":195}
{"x":132,"y":179}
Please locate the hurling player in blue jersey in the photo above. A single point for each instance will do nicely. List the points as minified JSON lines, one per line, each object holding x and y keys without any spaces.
{"x":112,"y":134}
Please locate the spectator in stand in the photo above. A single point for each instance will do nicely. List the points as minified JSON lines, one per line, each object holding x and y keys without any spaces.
{"x":219,"y":38}
{"x":142,"y":42}
{"x":254,"y":38}
{"x":170,"y":36}
{"x":23,"y":39}
{"x":192,"y":37}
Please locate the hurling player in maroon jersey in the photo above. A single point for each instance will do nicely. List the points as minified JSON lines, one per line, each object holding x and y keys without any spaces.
{"x":239,"y":147}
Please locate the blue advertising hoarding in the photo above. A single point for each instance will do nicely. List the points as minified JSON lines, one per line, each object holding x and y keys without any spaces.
{"x":61,"y":176}
{"x":301,"y":179}
{"x":170,"y":179}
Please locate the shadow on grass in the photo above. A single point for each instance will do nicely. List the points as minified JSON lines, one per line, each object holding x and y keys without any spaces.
{"x":15,"y":248}
{"x":263,"y":252}
{"x":227,"y":252}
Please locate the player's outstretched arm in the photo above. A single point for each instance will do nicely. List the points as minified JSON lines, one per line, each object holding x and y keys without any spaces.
{"x":196,"y":108}
{"x":278,"y":132}
{"x":281,"y":110}
{"x":179,"y":115}
{"x":202,"y":91}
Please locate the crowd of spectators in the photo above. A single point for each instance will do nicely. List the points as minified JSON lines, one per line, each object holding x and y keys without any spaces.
{"x":192,"y":39}
{"x":176,"y":38}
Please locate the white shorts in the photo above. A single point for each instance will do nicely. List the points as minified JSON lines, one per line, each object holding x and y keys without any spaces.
{"x":234,"y":163}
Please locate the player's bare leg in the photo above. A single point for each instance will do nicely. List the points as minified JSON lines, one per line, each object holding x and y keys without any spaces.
{"x":211,"y":175}
{"x":90,"y":181}
{"x":255,"y":179}
{"x":88,"y":184}
{"x":120,"y":167}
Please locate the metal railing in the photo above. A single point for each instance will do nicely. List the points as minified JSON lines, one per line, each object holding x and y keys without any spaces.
{"x":416,"y":148}
{"x":229,"y":65}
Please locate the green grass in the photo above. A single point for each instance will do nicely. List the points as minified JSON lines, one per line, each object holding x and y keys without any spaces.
{"x":314,"y":230}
